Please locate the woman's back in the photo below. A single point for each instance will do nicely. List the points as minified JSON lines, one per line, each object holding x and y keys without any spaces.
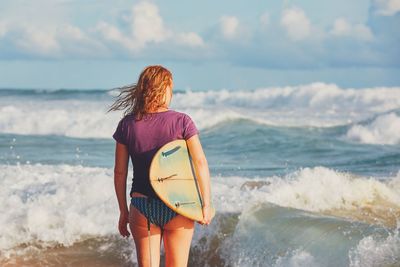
{"x":144,"y":137}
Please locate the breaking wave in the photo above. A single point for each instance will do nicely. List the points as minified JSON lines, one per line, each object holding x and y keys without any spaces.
{"x":316,"y":105}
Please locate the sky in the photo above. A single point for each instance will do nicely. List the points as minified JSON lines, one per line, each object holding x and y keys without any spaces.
{"x":208,"y":45}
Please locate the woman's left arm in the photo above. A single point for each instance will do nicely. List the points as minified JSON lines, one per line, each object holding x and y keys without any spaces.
{"x":120,"y":175}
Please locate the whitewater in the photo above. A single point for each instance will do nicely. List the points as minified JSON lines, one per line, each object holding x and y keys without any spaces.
{"x":302,"y":175}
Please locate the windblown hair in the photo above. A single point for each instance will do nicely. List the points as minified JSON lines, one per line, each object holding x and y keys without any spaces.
{"x":146,"y":95}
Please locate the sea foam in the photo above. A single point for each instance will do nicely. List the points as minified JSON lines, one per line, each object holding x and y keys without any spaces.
{"x":375,"y":251}
{"x":48,"y":204}
{"x":63,"y":204}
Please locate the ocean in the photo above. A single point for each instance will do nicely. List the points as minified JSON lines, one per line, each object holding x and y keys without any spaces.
{"x":304,"y":175}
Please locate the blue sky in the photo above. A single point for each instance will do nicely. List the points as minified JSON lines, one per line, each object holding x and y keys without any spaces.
{"x":207,"y":44}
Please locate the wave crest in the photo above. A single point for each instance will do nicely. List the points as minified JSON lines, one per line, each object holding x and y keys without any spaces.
{"x":316,"y":105}
{"x":383,"y":130}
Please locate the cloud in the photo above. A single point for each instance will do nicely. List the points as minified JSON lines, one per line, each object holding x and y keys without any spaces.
{"x":387,"y":7}
{"x":21,"y":40}
{"x":229,"y":26}
{"x":190,"y":39}
{"x":37,"y":41}
{"x":24,"y":39}
{"x":342,"y":44}
{"x":265,"y":19}
{"x":296,"y":23}
{"x":75,"y":41}
{"x":3,"y":29}
{"x":146,"y":27}
{"x":341,"y":27}
{"x":29,"y":32}
{"x":143,"y":28}
{"x":147,"y":24}
{"x":112,"y":34}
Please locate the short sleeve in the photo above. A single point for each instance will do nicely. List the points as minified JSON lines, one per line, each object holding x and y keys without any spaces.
{"x":189,"y":128}
{"x":119,"y":134}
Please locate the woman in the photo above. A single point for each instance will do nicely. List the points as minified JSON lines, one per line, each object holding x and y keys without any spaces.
{"x":147,"y":125}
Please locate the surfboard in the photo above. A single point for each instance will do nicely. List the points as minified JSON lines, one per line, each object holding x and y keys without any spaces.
{"x":173,"y":178}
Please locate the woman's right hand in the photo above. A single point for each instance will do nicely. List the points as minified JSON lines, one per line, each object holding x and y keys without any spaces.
{"x":123,"y":224}
{"x":206,"y":215}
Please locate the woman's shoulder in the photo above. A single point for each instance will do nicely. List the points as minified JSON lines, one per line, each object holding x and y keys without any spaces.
{"x":185,"y":119}
{"x":188,"y":126}
{"x":127,"y":119}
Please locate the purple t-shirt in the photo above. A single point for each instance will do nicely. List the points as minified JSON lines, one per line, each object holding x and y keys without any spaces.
{"x":144,"y":137}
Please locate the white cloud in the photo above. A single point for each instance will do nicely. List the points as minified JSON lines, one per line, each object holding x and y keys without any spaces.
{"x":36,"y":41}
{"x":341,"y":27}
{"x":190,"y":39}
{"x":229,"y":26}
{"x":24,"y":32}
{"x":75,"y":41}
{"x":147,"y":24}
{"x":363,"y":32}
{"x":43,"y":32}
{"x":72,"y":32}
{"x":387,"y":7}
{"x":3,"y":29}
{"x":113,"y":34}
{"x":264,"y":19}
{"x":54,"y":41}
{"x":296,"y":23}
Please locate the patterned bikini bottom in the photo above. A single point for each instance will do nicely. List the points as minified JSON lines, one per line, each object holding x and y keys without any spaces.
{"x":154,"y":210}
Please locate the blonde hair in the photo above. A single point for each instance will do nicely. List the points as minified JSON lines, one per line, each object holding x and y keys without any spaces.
{"x":146,"y":95}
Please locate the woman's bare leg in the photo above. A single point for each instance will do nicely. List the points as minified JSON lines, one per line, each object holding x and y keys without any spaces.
{"x":177,"y":238}
{"x":138,"y":226}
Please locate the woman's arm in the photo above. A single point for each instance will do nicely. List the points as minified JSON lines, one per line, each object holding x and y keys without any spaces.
{"x":120,"y":175}
{"x":202,"y":173}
